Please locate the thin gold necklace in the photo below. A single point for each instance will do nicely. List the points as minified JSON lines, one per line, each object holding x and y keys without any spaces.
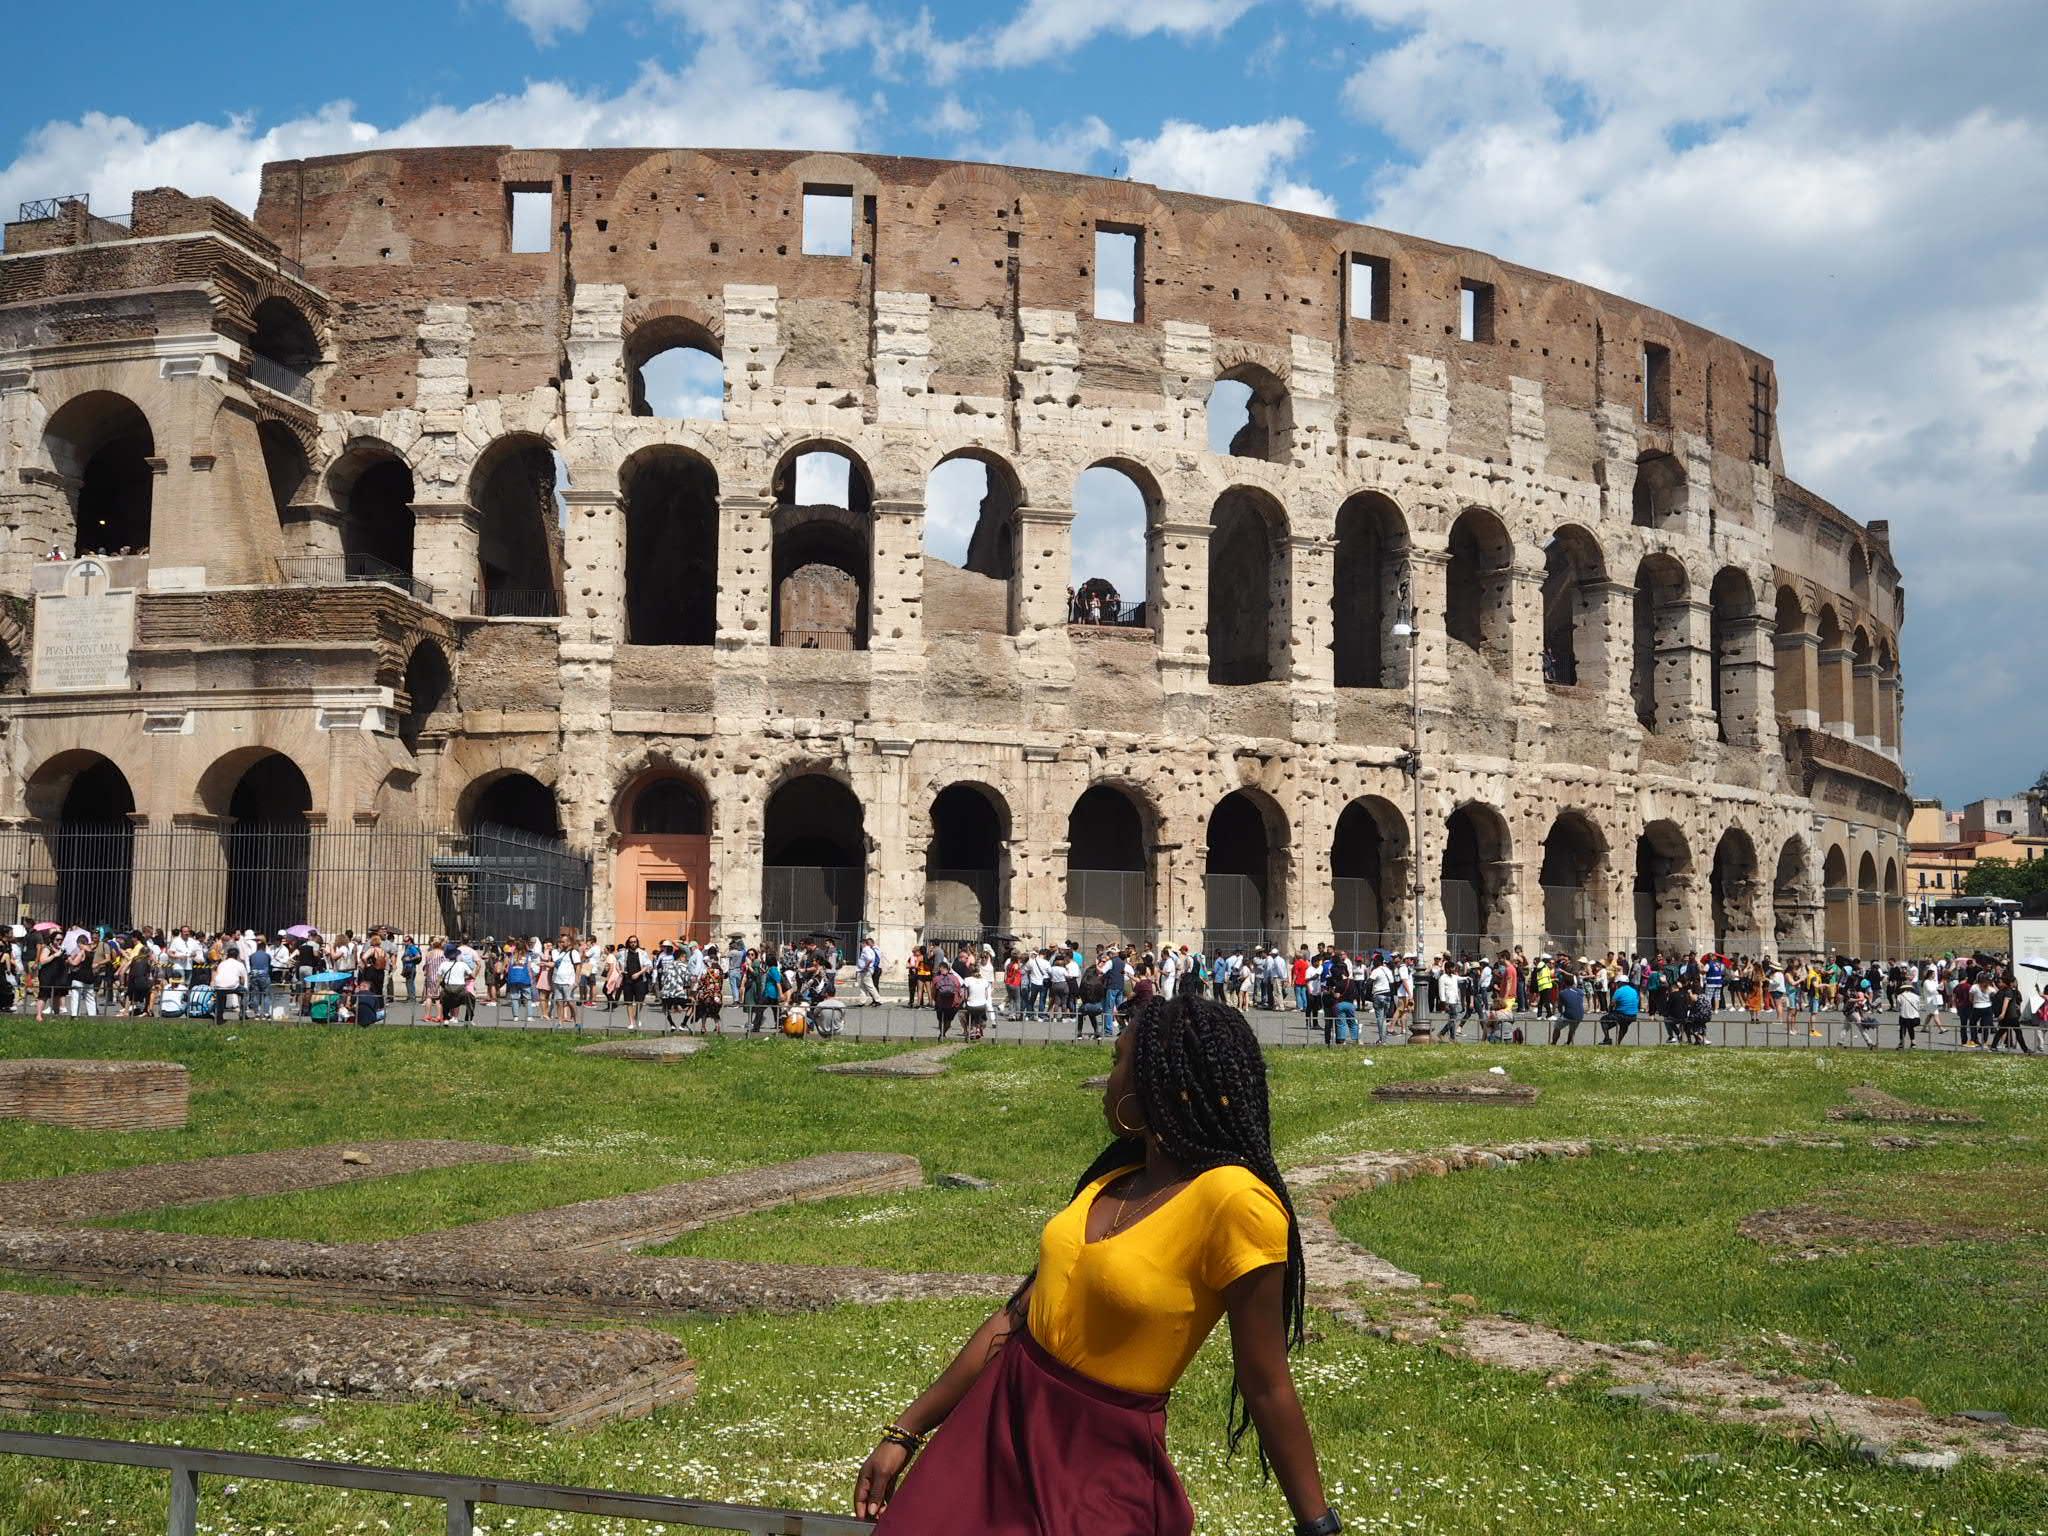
{"x":1123,"y":1205}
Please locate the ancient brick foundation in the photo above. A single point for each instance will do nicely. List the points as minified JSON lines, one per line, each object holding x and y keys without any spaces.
{"x":96,"y":1095}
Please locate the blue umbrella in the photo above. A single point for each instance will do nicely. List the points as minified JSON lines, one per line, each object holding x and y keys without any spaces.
{"x":326,"y":977}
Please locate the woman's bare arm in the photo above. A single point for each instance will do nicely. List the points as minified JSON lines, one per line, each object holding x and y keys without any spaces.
{"x":1258,"y":1346}
{"x":886,"y":1462}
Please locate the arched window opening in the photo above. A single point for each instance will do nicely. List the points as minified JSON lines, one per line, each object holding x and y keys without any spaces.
{"x":1660,"y":493}
{"x":824,"y":552}
{"x":1573,"y":649}
{"x":1250,"y":416}
{"x":813,"y":862}
{"x":517,"y":802}
{"x":1368,"y":594}
{"x":1841,"y":903}
{"x":1571,"y":877}
{"x":1859,"y":575}
{"x":428,"y":688}
{"x":1250,"y":626}
{"x":970,"y":545}
{"x":1834,"y":664}
{"x":1108,"y":870}
{"x":93,"y":852}
{"x":661,"y":880}
{"x":671,"y":510}
{"x":1663,"y":867}
{"x":1368,"y":860}
{"x":1733,"y":888}
{"x":102,"y":445}
{"x":1887,"y":697}
{"x":674,"y":371}
{"x":1863,"y":697}
{"x":963,"y":867}
{"x":374,"y":498}
{"x":284,"y":351}
{"x":1731,"y":663}
{"x":1478,"y":595}
{"x":284,"y":466}
{"x":269,"y":846}
{"x":1244,"y":877}
{"x":519,"y":536}
{"x":1660,"y":681}
{"x":1475,"y":876}
{"x":1794,"y":677}
{"x":1790,"y":899}
{"x":1894,"y":911}
{"x":1114,"y":551}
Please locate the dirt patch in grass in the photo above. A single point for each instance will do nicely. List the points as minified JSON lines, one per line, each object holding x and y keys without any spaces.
{"x":1872,"y":1103}
{"x":1812,"y":1230}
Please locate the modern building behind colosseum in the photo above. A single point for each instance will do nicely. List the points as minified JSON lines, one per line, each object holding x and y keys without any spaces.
{"x":410,"y":556}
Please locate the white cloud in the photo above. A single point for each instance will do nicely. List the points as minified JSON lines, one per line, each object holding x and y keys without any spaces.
{"x":1860,"y":192}
{"x":720,"y":98}
{"x":950,"y":117}
{"x":1245,"y":161}
{"x":1073,"y":146}
{"x":544,"y":18}
{"x":1044,"y":28}
{"x":802,"y":34}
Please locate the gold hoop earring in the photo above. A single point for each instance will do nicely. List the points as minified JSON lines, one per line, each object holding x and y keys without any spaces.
{"x":1116,"y":1118}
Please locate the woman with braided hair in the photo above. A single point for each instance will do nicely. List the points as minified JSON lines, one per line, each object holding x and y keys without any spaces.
{"x":1052,"y":1420}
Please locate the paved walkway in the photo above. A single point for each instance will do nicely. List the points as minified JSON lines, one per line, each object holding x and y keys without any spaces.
{"x":892,"y":1020}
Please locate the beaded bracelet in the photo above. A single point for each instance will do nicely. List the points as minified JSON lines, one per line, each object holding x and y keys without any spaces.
{"x":909,"y":1439}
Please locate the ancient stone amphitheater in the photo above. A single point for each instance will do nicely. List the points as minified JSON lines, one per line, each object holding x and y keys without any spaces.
{"x":404,"y":604}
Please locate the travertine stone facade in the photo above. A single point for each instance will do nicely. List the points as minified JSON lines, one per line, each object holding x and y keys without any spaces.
{"x":1698,"y":673}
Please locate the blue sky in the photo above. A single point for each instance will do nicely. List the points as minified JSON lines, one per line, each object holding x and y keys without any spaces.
{"x":1857,"y":187}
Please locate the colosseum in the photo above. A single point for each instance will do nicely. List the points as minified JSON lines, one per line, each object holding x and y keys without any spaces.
{"x":353,"y":572}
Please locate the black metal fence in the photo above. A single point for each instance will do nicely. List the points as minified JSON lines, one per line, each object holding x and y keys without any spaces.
{"x":519,"y":603}
{"x":332,"y":570}
{"x":801,"y":901}
{"x":269,"y":876}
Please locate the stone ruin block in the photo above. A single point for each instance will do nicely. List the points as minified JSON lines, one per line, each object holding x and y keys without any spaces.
{"x":96,"y":1095}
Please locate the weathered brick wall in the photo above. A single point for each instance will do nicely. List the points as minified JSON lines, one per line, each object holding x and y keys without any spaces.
{"x":96,"y":1095}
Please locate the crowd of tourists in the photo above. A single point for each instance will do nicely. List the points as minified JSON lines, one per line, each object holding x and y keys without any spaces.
{"x":795,"y":987}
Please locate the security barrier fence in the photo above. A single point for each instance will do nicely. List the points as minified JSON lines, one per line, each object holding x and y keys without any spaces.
{"x":270,"y":876}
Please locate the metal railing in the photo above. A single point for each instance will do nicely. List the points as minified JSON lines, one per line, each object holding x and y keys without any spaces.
{"x":281,"y":378}
{"x":518,"y":603}
{"x":333,"y":570}
{"x":817,"y":640}
{"x":461,"y":1494}
{"x":1111,"y":616}
{"x":40,"y":208}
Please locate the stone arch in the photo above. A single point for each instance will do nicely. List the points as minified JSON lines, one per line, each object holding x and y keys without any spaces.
{"x":1835,"y":686}
{"x":512,"y":799}
{"x":86,"y":807}
{"x":814,"y":856}
{"x":284,"y":346}
{"x":1369,"y":594}
{"x":1859,"y":575}
{"x":1732,"y":893}
{"x":1251,"y":414}
{"x":675,"y":365}
{"x":1476,"y":879}
{"x":1250,"y":618}
{"x":1112,"y":829}
{"x":967,"y":862}
{"x":1894,"y":910}
{"x":287,"y":467}
{"x":1478,"y":587}
{"x":1574,"y":617}
{"x":265,"y":802}
{"x":1840,"y":897}
{"x":1246,"y":866}
{"x":1663,"y":883}
{"x":1661,"y":497}
{"x":670,"y":500}
{"x":519,"y":527}
{"x":1791,"y":897}
{"x":1795,"y":679}
{"x":428,"y":689}
{"x":1661,"y":677}
{"x":661,"y":866}
{"x":1863,"y":686}
{"x":371,"y":486}
{"x":973,"y":497}
{"x":103,"y":448}
{"x":1869,"y":911}
{"x":1369,"y":857}
{"x":1731,"y":661}
{"x":823,"y":565}
{"x":1574,"y":879}
{"x":1118,"y":507}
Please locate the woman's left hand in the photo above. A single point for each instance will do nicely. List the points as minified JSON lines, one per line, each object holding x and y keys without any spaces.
{"x":877,"y":1482}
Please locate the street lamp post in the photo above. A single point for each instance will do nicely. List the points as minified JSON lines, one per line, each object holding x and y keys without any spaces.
{"x":1410,"y":763}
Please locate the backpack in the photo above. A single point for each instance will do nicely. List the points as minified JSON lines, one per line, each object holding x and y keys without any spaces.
{"x":946,"y":987}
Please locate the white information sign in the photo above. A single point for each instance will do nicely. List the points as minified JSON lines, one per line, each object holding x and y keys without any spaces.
{"x":2030,"y":959}
{"x":83,"y":634}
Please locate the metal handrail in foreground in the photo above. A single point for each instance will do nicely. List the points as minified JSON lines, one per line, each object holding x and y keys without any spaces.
{"x":460,"y":1493}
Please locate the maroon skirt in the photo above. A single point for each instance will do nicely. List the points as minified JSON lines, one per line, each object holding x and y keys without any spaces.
{"x":1037,"y":1449}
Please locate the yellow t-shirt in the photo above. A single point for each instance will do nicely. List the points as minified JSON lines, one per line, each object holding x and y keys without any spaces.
{"x":1130,"y":1310}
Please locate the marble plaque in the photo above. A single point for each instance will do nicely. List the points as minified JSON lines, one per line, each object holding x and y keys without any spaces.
{"x":83,"y":634}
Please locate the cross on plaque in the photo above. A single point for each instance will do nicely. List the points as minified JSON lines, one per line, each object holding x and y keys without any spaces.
{"x":86,"y":571}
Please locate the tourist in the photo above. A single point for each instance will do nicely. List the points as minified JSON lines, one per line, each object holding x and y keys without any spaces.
{"x":562,"y":967}
{"x":230,"y":976}
{"x":1621,"y":1014}
{"x":868,"y":971}
{"x":84,"y":993}
{"x":946,"y":996}
{"x":2008,"y":1018}
{"x":457,"y":974}
{"x":920,"y":975}
{"x":1909,"y":1003}
{"x":1052,"y":1409}
{"x":710,"y":1000}
{"x":975,"y":1000}
{"x":631,"y":964}
{"x":1570,"y":1011}
{"x":518,"y":986}
{"x":766,"y":994}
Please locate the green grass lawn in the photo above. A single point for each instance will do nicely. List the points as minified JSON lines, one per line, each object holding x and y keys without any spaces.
{"x":786,"y":1406}
{"x":1627,"y":1247}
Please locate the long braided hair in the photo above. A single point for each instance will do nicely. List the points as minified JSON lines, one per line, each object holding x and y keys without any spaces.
{"x":1199,"y":1074}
